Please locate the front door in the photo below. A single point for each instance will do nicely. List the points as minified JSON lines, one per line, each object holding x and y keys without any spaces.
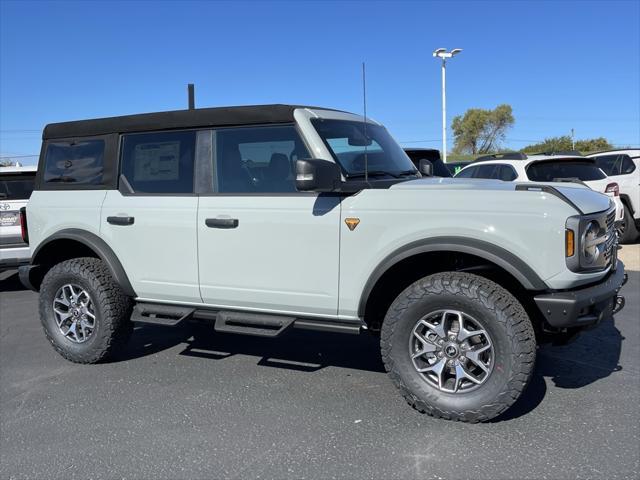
{"x":262,"y":245}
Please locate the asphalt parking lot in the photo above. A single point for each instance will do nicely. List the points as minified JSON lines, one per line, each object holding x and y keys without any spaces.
{"x":188,"y":403}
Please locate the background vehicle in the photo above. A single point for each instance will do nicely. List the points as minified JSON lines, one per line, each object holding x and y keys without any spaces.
{"x":222,"y":215}
{"x":16,"y":185}
{"x":519,"y":167}
{"x":455,"y":167}
{"x":433,"y":155}
{"x":623,"y":166}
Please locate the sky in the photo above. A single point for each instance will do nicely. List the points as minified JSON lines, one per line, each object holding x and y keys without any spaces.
{"x":559,"y":64}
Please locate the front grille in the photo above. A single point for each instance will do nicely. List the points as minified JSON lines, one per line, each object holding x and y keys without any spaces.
{"x":612,"y":238}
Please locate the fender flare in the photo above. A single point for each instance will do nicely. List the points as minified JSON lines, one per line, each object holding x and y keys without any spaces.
{"x":519,"y":269}
{"x":98,"y":246}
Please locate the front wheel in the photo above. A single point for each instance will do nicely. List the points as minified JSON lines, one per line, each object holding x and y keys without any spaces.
{"x":458,"y":346}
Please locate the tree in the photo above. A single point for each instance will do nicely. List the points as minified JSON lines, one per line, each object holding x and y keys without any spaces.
{"x":563,"y":143}
{"x":481,"y":131}
{"x":593,"y":144}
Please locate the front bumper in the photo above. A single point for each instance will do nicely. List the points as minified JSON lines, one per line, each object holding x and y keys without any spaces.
{"x":585,"y":306}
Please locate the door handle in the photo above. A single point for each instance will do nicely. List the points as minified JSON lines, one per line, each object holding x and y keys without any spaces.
{"x":222,"y":222}
{"x":120,"y":220}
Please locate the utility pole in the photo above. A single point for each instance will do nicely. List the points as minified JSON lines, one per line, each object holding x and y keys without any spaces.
{"x":573,"y":143}
{"x":444,"y":55}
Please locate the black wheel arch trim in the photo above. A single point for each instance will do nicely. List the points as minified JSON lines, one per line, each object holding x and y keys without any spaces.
{"x":527,"y":277}
{"x":97,"y":245}
{"x":626,"y":202}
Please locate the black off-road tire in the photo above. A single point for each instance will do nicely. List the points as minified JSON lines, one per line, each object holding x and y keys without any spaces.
{"x":630,"y":232}
{"x":112,"y":310}
{"x":502,"y":316}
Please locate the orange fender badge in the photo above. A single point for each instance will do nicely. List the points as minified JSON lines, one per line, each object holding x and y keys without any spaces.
{"x":352,"y":223}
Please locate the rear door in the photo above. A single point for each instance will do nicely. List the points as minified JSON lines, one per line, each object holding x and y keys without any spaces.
{"x":262,"y":245}
{"x":150,"y":222}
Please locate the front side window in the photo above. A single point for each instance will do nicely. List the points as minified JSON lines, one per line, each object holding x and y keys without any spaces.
{"x":161,"y":162}
{"x":564,"y":170}
{"x":257,"y":159}
{"x":356,"y":144}
{"x":74,"y":162}
{"x":618,"y":164}
{"x":17,"y":187}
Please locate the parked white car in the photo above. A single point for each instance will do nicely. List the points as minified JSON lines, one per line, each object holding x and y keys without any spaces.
{"x":16,"y":185}
{"x":519,"y":167}
{"x":624,"y":167}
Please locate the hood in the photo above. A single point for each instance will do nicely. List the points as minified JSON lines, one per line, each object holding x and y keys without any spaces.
{"x":581,"y":196}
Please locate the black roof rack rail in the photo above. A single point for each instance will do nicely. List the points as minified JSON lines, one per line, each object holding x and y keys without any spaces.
{"x":502,"y":156}
{"x":554,"y":153}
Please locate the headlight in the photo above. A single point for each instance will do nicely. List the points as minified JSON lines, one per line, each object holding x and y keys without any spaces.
{"x":590,"y":241}
{"x":593,"y":240}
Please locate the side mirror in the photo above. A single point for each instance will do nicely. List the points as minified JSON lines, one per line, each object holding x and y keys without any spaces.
{"x":315,"y":175}
{"x":426,"y":167}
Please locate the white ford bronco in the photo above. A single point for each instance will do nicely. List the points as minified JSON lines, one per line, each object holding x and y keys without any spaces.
{"x":259,"y":219}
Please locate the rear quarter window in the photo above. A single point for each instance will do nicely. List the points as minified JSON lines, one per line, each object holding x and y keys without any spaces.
{"x":559,"y":170}
{"x":74,"y":163}
{"x":616,"y":164}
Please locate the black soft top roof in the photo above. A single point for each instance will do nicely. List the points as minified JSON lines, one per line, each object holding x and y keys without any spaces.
{"x":199,"y":117}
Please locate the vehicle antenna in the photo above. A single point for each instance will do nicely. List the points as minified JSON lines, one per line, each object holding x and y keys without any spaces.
{"x":364,"y":104}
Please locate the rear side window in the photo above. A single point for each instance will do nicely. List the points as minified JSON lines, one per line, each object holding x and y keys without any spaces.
{"x":17,"y":187}
{"x":617,"y":164}
{"x":559,"y":170}
{"x":161,"y":162}
{"x":74,"y":162}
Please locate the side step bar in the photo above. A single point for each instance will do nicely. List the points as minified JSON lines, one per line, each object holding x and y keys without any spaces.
{"x":247,"y":323}
{"x":252,"y":323}
{"x":166,"y":315}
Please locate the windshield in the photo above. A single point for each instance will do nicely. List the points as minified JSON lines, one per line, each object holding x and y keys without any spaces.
{"x":16,"y":187}
{"x":558,"y":170}
{"x":348,"y":143}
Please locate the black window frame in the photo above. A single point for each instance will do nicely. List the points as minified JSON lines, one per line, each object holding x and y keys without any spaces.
{"x":110,"y":164}
{"x":125,"y":188}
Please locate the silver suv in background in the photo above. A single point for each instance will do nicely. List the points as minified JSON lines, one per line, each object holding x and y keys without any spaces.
{"x":623,"y":166}
{"x":16,"y":185}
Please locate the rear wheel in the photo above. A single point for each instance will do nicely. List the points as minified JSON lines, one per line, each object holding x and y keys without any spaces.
{"x":84,"y":313}
{"x":627,"y":229}
{"x":458,"y":346}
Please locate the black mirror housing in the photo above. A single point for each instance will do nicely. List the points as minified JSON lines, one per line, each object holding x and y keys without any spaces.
{"x":426,"y":167}
{"x":316,"y":175}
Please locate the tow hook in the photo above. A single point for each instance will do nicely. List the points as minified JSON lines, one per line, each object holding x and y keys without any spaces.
{"x":618,"y":304}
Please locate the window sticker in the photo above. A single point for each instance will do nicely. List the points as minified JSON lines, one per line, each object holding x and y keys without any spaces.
{"x":156,"y":161}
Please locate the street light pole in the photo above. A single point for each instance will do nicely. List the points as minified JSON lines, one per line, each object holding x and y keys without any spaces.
{"x":444,"y":110}
{"x":443,"y":54}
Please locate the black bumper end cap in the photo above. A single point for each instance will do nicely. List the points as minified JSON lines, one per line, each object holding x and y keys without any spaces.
{"x":562,"y":309}
{"x":24,"y":274}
